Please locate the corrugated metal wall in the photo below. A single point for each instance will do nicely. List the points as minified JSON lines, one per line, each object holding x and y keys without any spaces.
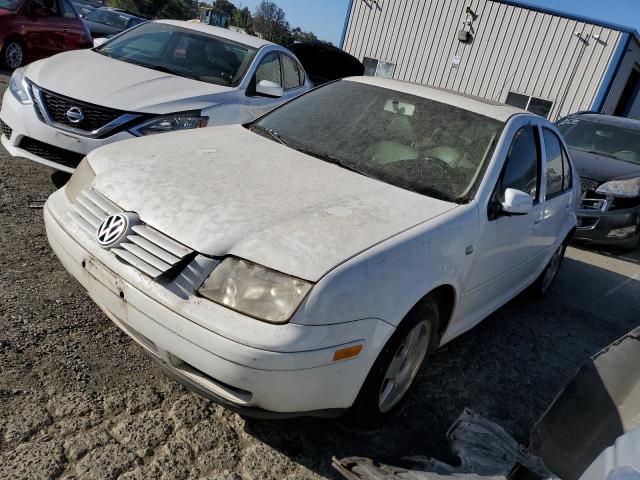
{"x":629,"y":62}
{"x":513,"y":49}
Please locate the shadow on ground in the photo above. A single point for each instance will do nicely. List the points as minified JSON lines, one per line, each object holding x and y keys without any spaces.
{"x":508,"y":369}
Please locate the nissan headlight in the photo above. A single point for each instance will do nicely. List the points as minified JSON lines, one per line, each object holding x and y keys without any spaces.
{"x":621,"y":188}
{"x":254,"y":290}
{"x":170,"y":123}
{"x":81,"y":179}
{"x":18,"y":86}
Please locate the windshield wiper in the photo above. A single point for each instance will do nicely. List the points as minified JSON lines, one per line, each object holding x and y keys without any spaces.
{"x":322,"y":156}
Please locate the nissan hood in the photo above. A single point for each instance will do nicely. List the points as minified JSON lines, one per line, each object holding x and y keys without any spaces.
{"x":228,"y":191}
{"x":94,"y":78}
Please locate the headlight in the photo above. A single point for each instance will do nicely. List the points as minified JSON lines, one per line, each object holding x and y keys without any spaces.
{"x":81,"y":180}
{"x":18,"y":86}
{"x":621,"y":188}
{"x":171,"y":123}
{"x":256,"y":291}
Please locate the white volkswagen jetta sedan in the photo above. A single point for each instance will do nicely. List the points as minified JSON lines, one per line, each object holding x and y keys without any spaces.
{"x":158,"y":77}
{"x":307,"y":263}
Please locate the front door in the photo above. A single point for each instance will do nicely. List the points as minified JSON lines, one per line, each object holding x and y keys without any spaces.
{"x":508,"y":250}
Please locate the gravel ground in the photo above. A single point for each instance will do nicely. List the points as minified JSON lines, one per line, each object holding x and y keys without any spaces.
{"x":78,"y":399}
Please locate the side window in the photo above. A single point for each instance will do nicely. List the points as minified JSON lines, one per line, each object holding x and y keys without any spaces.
{"x":558,"y":169}
{"x":523,"y":163}
{"x":269,"y":69}
{"x":290,"y":72}
{"x":67,"y":10}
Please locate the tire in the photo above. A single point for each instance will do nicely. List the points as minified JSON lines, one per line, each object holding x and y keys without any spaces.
{"x":377,"y":399}
{"x":542,"y":284}
{"x":13,"y":54}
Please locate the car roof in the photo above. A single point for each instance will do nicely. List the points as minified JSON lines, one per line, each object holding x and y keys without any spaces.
{"x":482,"y":106}
{"x":238,"y":37}
{"x":608,"y":120}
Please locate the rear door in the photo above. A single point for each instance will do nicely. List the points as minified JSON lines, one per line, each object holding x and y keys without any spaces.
{"x":45,"y":35}
{"x":74,"y":33}
{"x":559,"y":192}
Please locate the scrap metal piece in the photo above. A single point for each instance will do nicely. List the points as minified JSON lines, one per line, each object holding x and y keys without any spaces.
{"x":600,"y":404}
{"x":485,"y":451}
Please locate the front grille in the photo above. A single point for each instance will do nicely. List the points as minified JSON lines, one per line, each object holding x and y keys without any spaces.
{"x":588,"y":184}
{"x":6,"y":129}
{"x":58,"y":155}
{"x":146,"y":249}
{"x":95,"y":116}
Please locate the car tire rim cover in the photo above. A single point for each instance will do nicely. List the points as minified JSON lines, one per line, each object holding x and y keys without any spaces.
{"x":552,"y":269}
{"x":404,"y":366}
{"x":14,"y":55}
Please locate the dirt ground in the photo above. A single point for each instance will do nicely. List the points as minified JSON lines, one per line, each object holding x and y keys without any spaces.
{"x":78,"y":399}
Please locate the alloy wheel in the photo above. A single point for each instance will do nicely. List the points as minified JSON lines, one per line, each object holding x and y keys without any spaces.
{"x":14,"y":55}
{"x":404,"y":366}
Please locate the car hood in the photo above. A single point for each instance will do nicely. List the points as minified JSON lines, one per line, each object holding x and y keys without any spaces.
{"x":228,"y":191}
{"x":602,"y":168}
{"x":91,"y":77}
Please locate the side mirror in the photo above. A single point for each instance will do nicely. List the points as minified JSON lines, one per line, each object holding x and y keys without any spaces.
{"x":269,"y":89}
{"x":516,"y":202}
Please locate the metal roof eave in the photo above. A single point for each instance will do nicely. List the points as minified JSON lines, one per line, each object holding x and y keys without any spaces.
{"x":572,"y":16}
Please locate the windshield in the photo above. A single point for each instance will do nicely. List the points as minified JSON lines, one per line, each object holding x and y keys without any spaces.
{"x":182,"y":52}
{"x":113,"y":18}
{"x":10,"y":4}
{"x":608,"y":140}
{"x":411,"y":142}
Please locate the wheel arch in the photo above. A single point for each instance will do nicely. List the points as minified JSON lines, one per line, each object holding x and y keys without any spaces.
{"x":445,"y":297}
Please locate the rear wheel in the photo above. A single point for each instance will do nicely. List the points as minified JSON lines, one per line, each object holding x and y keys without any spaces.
{"x":395,"y":369}
{"x":13,"y":54}
{"x":548,"y":275}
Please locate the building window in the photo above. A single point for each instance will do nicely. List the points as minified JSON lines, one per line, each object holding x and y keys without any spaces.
{"x":531,"y":104}
{"x":378,"y":68}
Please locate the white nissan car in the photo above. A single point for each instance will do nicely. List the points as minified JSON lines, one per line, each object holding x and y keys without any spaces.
{"x":157,"y":77}
{"x":307,"y":263}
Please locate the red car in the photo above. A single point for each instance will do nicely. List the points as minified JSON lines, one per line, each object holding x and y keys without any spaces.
{"x":32,"y":29}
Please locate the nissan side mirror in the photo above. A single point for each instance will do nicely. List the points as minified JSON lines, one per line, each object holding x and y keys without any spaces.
{"x":269,"y":89}
{"x":516,"y":202}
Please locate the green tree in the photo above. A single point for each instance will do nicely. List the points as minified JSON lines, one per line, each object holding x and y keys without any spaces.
{"x":270,"y":21}
{"x":242,"y":18}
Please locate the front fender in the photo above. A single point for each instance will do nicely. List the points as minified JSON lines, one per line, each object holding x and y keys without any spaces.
{"x":387,"y":280}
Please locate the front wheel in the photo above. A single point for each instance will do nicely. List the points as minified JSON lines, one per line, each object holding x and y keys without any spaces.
{"x":13,"y":54}
{"x":396,"y":367}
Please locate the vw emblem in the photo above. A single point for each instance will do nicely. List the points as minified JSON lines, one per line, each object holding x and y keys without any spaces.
{"x":75,"y":115}
{"x":112,"y":230}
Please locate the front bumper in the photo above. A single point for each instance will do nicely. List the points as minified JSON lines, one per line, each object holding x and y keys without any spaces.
{"x":24,"y":122}
{"x":611,"y":227}
{"x":285,"y":375}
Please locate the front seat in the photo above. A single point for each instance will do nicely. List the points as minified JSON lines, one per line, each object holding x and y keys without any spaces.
{"x":398,"y":143}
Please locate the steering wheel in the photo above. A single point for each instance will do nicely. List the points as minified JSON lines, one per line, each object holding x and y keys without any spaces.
{"x":437,"y":167}
{"x":626,"y":154}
